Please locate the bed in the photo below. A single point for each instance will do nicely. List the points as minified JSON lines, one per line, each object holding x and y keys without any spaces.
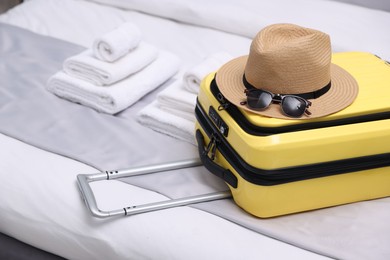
{"x":40,"y":202}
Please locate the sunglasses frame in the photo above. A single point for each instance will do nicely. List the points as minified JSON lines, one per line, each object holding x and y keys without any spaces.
{"x":278,"y":99}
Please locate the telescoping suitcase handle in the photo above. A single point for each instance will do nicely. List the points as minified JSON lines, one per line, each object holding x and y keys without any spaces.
{"x":89,"y":198}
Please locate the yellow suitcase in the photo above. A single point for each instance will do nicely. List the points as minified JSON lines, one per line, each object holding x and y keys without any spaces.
{"x":275,"y":167}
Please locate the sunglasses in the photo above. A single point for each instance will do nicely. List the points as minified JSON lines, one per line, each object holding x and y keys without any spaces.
{"x":291,"y":105}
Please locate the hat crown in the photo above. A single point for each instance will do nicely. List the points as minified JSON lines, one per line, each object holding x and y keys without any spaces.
{"x":289,"y":59}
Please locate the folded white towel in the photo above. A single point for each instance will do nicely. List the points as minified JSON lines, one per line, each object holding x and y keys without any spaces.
{"x":164,"y":122}
{"x":85,"y":66}
{"x":177,"y":100}
{"x":116,"y":43}
{"x":115,"y":98}
{"x":195,"y":75}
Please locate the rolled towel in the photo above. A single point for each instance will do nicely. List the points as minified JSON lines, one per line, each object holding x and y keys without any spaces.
{"x":194,"y":76}
{"x":85,"y":66}
{"x":164,"y":122}
{"x":117,"y":43}
{"x":117,"y":97}
{"x":177,"y":100}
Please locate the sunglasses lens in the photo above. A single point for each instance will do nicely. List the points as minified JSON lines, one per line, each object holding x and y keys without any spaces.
{"x":293,"y":106}
{"x":259,"y":99}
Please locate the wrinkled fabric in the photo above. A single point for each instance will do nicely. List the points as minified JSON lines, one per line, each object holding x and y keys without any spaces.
{"x":31,"y":114}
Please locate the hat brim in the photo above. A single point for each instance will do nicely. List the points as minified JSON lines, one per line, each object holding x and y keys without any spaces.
{"x":343,"y":91}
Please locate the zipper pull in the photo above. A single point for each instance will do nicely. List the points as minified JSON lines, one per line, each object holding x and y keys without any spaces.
{"x":212,"y":147}
{"x":224,"y":104}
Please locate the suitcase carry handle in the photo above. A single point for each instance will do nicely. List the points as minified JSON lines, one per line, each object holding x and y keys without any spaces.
{"x":224,"y":174}
{"x":83,"y":181}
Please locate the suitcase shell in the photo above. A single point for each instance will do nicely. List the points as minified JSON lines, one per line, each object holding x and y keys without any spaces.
{"x":275,"y":167}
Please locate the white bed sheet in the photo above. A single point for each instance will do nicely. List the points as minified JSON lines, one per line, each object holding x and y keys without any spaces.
{"x":55,"y":219}
{"x":351,"y":27}
{"x":60,"y":223}
{"x":42,"y":205}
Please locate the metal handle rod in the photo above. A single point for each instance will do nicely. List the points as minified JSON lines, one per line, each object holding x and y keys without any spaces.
{"x":89,"y":198}
{"x":176,"y":202}
{"x":141,"y":170}
{"x":83,"y":181}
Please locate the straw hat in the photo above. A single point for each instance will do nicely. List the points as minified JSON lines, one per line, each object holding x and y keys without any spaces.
{"x":289,"y":59}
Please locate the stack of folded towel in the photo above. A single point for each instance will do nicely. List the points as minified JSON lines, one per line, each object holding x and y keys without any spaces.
{"x":116,"y":72}
{"x":173,"y":111}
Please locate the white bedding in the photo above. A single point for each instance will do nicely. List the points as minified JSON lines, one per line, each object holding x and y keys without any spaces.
{"x":61,"y":224}
{"x":350,"y":27}
{"x":40,"y":202}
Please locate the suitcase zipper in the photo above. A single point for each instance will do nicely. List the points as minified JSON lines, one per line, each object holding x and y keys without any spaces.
{"x":282,"y":175}
{"x":251,"y":129}
{"x":212,"y":146}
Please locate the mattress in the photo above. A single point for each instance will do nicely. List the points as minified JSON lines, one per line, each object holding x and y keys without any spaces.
{"x":41,"y":203}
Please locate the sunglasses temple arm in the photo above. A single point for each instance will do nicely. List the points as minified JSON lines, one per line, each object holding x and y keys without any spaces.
{"x":307,"y":112}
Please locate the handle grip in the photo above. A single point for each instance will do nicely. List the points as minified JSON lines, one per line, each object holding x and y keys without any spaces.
{"x":210,"y":165}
